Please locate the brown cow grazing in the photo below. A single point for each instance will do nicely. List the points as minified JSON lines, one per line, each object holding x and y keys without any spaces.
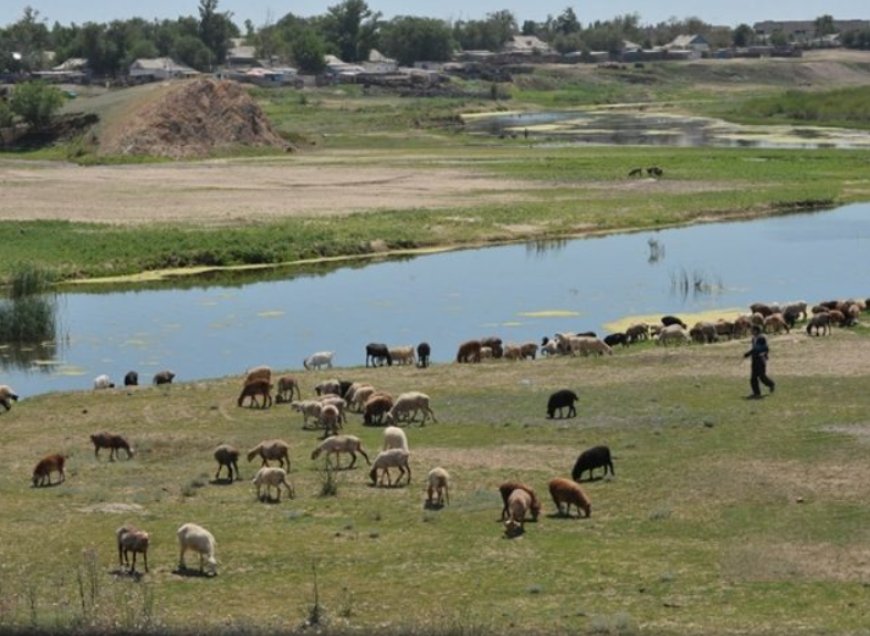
{"x":46,"y":466}
{"x":257,"y":388}
{"x":111,"y":441}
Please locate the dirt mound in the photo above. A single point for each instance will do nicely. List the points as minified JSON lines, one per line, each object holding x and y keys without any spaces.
{"x":191,"y":119}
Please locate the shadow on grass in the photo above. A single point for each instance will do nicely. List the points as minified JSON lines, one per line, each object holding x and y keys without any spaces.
{"x":124,"y":573}
{"x":192,"y":574}
{"x":224,"y":481}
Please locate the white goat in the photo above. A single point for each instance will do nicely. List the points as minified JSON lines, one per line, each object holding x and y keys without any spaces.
{"x":196,"y":538}
{"x":318,"y":360}
{"x":438,"y":492}
{"x":269,"y":476}
{"x":410,"y":403}
{"x":341,"y":444}
{"x":394,"y":437}
{"x":393,"y":458}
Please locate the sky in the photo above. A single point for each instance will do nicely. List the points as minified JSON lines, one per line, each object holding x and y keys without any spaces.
{"x":260,"y":12}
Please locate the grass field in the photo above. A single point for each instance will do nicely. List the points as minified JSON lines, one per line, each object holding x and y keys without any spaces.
{"x":725,"y":515}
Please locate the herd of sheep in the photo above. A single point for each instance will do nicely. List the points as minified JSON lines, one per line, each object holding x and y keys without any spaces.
{"x":334,"y":400}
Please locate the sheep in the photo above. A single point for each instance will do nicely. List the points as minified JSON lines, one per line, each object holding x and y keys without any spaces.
{"x":469,"y":351}
{"x":485,"y":354}
{"x":226,"y":455}
{"x":131,"y":378}
{"x":775,"y":323}
{"x":618,"y":338}
{"x":512,"y":352}
{"x":673,"y":320}
{"x":103,"y":382}
{"x":703,"y":333}
{"x":819,"y":322}
{"x":837,"y":317}
{"x":132,"y":539}
{"x":271,"y":449}
{"x":529,"y":350}
{"x":338,"y":402}
{"x":272,"y":476}
{"x":495,"y":344}
{"x":341,"y":444}
{"x":724,"y":328}
{"x":798,"y":307}
{"x":394,"y":437}
{"x":254,"y":388}
{"x":163,"y":377}
{"x":328,"y":387}
{"x":518,"y":504}
{"x":569,"y":492}
{"x":111,"y":441}
{"x":761,"y":308}
{"x":318,"y":360}
{"x":594,"y":345}
{"x":375,"y":407}
{"x":7,"y":396}
{"x":639,"y":331}
{"x":853,"y":313}
{"x":308,"y":408}
{"x":741,"y":327}
{"x":412,"y":401}
{"x":561,"y":399}
{"x":392,"y":458}
{"x":506,"y":488}
{"x":549,"y":347}
{"x":672,"y":333}
{"x":196,"y":538}
{"x":46,"y":466}
{"x":261,"y":372}
{"x":359,"y":396}
{"x":403,"y":355}
{"x":378,"y":353}
{"x":330,"y":419}
{"x":438,"y":490}
{"x":424,"y":351}
{"x":287,"y":387}
{"x":590,"y":459}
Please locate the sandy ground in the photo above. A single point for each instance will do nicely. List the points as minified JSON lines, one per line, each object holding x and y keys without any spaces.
{"x":232,"y":192}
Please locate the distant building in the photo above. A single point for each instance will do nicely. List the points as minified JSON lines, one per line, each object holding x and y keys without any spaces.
{"x":380,"y":63}
{"x":697,"y":43}
{"x":159,"y":68}
{"x":527,"y":45}
{"x":800,"y":31}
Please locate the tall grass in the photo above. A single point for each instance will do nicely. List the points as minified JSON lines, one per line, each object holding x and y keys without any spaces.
{"x":29,"y":316}
{"x":28,"y":279}
{"x":845,"y":107}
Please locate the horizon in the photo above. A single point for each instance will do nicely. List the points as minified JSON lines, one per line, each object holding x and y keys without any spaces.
{"x":263,"y":12}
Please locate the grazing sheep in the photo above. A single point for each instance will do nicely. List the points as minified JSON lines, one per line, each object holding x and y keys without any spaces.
{"x":673,"y":320}
{"x":270,"y":476}
{"x":330,"y":419}
{"x":518,"y":504}
{"x":226,"y":455}
{"x":271,"y":449}
{"x":378,"y":353}
{"x":529,"y":350}
{"x":618,"y":338}
{"x":375,"y":407}
{"x":742,"y":326}
{"x":724,"y":328}
{"x":438,"y":490}
{"x":506,"y":488}
{"x":775,"y":323}
{"x":111,"y":441}
{"x":394,"y":437}
{"x":46,"y":466}
{"x":639,"y":331}
{"x":495,"y":344}
{"x":287,"y":387}
{"x":761,"y":308}
{"x":359,"y":396}
{"x":853,"y":313}
{"x":819,"y":322}
{"x":469,"y":351}
{"x":308,"y":408}
{"x":564,"y":398}
{"x":196,"y":538}
{"x":549,"y":347}
{"x":837,"y":317}
{"x":262,"y":372}
{"x":7,"y":396}
{"x":593,"y":345}
{"x":341,"y":444}
{"x":672,"y":334}
{"x":798,"y":308}
{"x":703,"y":333}
{"x":392,"y":458}
{"x":132,"y":539}
{"x":568,"y":492}
{"x":485,"y":354}
{"x":344,"y":387}
{"x":333,"y":400}
{"x":318,"y":360}
{"x":590,"y":459}
{"x":256,"y":388}
{"x":131,"y":379}
{"x":328,"y":387}
{"x":410,"y":403}
{"x":103,"y":382}
{"x":403,"y":355}
{"x":654,"y":171}
{"x":424,"y":351}
{"x":512,"y":351}
{"x":163,"y":377}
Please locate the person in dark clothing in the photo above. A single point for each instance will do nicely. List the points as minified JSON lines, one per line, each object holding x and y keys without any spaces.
{"x":758,"y":353}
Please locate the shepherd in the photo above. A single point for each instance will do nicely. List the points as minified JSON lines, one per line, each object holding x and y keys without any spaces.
{"x":758,"y":353}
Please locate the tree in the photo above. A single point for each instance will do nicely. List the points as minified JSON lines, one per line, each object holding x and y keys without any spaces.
{"x":743,"y":35}
{"x":825,"y":25}
{"x":530,"y":27}
{"x":410,"y":39}
{"x":28,"y":39}
{"x":308,"y":51}
{"x":779,"y":38}
{"x":216,"y":29}
{"x":567,"y":22}
{"x":35,"y":102}
{"x":489,"y":34}
{"x":351,"y":28}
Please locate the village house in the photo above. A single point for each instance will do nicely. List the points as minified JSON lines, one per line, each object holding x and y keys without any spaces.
{"x":159,"y":68}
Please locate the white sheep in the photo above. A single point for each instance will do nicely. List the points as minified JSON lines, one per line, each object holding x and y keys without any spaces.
{"x":269,"y":476}
{"x":271,"y":449}
{"x":392,"y":458}
{"x":318,"y":360}
{"x":410,"y":403}
{"x":308,"y":408}
{"x":335,"y":400}
{"x":438,"y":492}
{"x":518,"y":504}
{"x":594,"y":345}
{"x":341,"y":444}
{"x":403,"y":355}
{"x":357,"y":395}
{"x":7,"y":396}
{"x":673,"y":333}
{"x":394,"y":437}
{"x":196,"y":538}
{"x":103,"y":382}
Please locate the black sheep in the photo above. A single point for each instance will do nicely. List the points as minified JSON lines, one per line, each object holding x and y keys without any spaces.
{"x":667,"y":321}
{"x":131,"y":379}
{"x":562,"y":399}
{"x":616,"y":338}
{"x":423,"y":353}
{"x":590,"y":459}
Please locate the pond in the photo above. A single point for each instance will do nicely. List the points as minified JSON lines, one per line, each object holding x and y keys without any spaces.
{"x":631,"y":127}
{"x":519,"y":292}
